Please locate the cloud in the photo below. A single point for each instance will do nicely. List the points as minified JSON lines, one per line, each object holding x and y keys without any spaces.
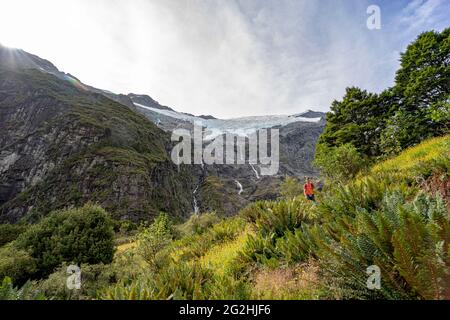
{"x":420,"y":13}
{"x":225,"y":58}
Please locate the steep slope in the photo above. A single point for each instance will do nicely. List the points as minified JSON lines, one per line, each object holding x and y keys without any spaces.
{"x":293,"y":249}
{"x":298,"y":136}
{"x":62,"y":146}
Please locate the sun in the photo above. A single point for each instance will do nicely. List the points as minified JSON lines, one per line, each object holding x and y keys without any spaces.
{"x":16,"y":23}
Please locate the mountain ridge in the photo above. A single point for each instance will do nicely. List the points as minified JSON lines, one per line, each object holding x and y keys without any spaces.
{"x":297,"y":148}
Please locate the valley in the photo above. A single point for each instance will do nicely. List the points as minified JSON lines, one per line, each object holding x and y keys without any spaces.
{"x":91,"y":183}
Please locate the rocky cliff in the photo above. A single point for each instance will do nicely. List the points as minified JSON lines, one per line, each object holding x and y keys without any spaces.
{"x":64,"y":143}
{"x":63,"y":146}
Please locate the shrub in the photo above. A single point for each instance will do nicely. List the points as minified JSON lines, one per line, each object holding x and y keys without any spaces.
{"x":16,"y":264}
{"x":198,"y":223}
{"x":339,"y":163}
{"x":290,"y":188}
{"x":153,"y":239}
{"x":26,"y":292}
{"x":93,"y":279}
{"x":409,"y":242}
{"x":278,"y":217}
{"x":273,"y":220}
{"x":83,"y":235}
{"x":10,"y":232}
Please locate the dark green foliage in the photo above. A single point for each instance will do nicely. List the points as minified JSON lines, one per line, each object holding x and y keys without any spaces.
{"x":356,"y":120}
{"x":278,"y":217}
{"x":370,"y":225}
{"x":273,"y":220}
{"x":10,"y":232}
{"x":415,"y":108}
{"x":78,"y":236}
{"x":17,"y":264}
{"x":339,"y":163}
{"x":424,"y":75}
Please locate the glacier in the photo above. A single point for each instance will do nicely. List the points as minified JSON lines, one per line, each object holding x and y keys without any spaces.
{"x":243,"y":126}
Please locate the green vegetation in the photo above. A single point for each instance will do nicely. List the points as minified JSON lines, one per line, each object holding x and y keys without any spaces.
{"x":290,"y":188}
{"x":286,"y":249}
{"x":340,"y":163}
{"x":392,"y":213}
{"x":10,"y":232}
{"x":415,"y":108}
{"x":83,"y":235}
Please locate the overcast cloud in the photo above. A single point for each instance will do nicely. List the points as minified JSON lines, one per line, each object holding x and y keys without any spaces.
{"x":225,"y":58}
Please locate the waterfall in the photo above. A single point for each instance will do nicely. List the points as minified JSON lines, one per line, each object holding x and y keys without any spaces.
{"x":196,"y":208}
{"x":241,"y":189}
{"x":254,"y":170}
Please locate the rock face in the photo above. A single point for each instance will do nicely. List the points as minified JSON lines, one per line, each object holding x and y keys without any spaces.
{"x":64,"y":143}
{"x":298,"y":138}
{"x":62,"y":146}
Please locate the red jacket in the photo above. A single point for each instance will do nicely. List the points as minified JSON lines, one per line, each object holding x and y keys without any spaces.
{"x":308,"y":188}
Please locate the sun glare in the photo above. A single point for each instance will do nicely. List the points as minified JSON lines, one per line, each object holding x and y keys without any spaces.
{"x":13,"y":24}
{"x":22,"y":22}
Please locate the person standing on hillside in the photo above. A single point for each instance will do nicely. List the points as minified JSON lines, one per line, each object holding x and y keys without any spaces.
{"x":308,"y":190}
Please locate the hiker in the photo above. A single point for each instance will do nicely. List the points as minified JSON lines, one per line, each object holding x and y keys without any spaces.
{"x":308,"y":190}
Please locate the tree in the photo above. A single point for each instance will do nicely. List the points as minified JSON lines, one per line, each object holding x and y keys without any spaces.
{"x":83,"y":235}
{"x":414,"y":109}
{"x":358,"y":120}
{"x":424,"y":75}
{"x":339,"y":163}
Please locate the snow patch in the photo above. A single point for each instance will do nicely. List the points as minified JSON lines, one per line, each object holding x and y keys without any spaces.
{"x":239,"y":126}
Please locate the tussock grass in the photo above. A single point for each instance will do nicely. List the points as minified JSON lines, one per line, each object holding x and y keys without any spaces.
{"x":426,"y":151}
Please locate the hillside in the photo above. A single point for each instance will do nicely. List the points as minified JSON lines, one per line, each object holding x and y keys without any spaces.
{"x":63,"y":146}
{"x":292,"y":249}
{"x":298,"y":136}
{"x":86,"y":179}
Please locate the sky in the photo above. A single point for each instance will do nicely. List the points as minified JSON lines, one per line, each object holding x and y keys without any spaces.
{"x":224,"y":58}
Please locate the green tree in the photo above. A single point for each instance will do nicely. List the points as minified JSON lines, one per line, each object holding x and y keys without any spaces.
{"x":83,"y":235}
{"x":424,"y":74}
{"x":339,"y":163}
{"x":414,"y":109}
{"x":358,"y":120}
